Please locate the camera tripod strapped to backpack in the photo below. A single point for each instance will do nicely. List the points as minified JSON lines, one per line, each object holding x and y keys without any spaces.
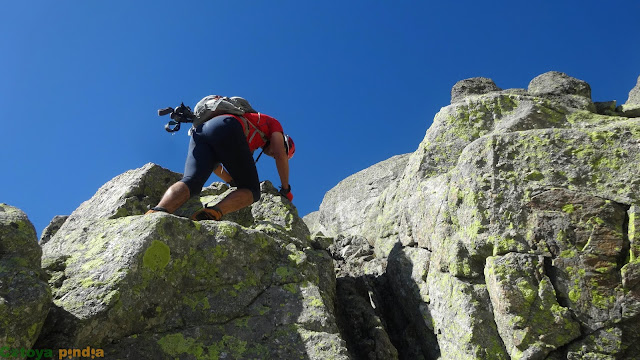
{"x":181,"y":114}
{"x":207,"y":108}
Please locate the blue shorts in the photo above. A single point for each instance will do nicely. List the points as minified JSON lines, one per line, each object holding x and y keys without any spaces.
{"x":220,"y":140}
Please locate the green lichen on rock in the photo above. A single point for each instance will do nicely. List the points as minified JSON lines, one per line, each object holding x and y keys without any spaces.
{"x":527,"y":172}
{"x":606,"y":343}
{"x":468,"y":331}
{"x":157,"y":256}
{"x":528,"y":316}
{"x":634,"y":233}
{"x":588,"y":244}
{"x":177,"y":345}
{"x":166,"y":278}
{"x":24,"y":298}
{"x":19,"y":240}
{"x":524,"y":200}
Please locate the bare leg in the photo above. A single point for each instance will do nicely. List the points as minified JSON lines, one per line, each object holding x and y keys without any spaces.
{"x":236,"y":200}
{"x":175,"y":196}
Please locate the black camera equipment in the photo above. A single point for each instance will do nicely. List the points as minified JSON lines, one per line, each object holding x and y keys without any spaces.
{"x":181,"y":114}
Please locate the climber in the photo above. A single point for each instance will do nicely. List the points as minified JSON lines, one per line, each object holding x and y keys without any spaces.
{"x":224,"y":141}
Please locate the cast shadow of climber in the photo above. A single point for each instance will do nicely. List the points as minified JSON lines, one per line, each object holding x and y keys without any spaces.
{"x":406,"y":270}
{"x":379,"y":314}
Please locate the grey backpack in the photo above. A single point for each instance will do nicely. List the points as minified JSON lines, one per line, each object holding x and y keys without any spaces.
{"x":214,"y":105}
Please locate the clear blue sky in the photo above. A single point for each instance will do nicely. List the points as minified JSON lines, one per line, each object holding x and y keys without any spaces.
{"x":354,"y":82}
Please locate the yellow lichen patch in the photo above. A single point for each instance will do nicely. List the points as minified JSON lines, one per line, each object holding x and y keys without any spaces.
{"x":157,"y":256}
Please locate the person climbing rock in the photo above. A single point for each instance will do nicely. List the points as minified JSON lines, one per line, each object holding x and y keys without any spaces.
{"x":224,"y":145}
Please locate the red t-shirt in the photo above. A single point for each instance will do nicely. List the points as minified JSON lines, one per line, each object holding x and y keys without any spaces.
{"x":265,"y":123}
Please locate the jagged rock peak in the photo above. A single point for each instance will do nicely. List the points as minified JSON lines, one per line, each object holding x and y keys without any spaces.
{"x":634,"y":94}
{"x":632,"y":107}
{"x":554,"y":85}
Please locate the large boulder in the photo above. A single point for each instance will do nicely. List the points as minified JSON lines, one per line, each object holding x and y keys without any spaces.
{"x":24,"y":297}
{"x":558,"y":83}
{"x":564,"y":89}
{"x":512,"y":230}
{"x":472,"y":86}
{"x":162,"y":286}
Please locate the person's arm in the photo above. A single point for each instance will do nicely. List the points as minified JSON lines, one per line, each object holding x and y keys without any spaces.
{"x":278,"y":152}
{"x":222,"y":174}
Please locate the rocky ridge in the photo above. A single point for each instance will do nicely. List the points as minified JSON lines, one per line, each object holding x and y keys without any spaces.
{"x":510,"y":233}
{"x":161,"y":286}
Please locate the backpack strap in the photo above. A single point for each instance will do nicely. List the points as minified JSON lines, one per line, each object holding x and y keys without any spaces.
{"x":257,"y":131}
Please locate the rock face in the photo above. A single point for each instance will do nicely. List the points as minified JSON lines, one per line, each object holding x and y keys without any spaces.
{"x":510,"y":233}
{"x":632,"y":107}
{"x":338,"y":214}
{"x":473,"y":86}
{"x":24,"y":298}
{"x":564,"y":89}
{"x":634,"y":94}
{"x":162,"y":286}
{"x":52,"y":228}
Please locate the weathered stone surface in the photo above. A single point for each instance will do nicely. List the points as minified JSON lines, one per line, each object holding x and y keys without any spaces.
{"x":634,"y":94}
{"x":462,"y":318}
{"x":52,"y":228}
{"x":24,"y":298}
{"x":344,"y":207}
{"x":602,"y":345}
{"x":629,"y":110}
{"x":362,"y":328}
{"x":425,"y":182}
{"x":407,"y":273}
{"x":563,"y":89}
{"x":533,"y":180}
{"x":558,"y":83}
{"x":130,"y":193}
{"x":370,"y":318}
{"x":312,"y":220}
{"x":352,"y":256}
{"x":163,"y":287}
{"x":358,"y":316}
{"x":584,"y":235}
{"x":529,"y":318}
{"x":605,"y":107}
{"x":473,"y":86}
